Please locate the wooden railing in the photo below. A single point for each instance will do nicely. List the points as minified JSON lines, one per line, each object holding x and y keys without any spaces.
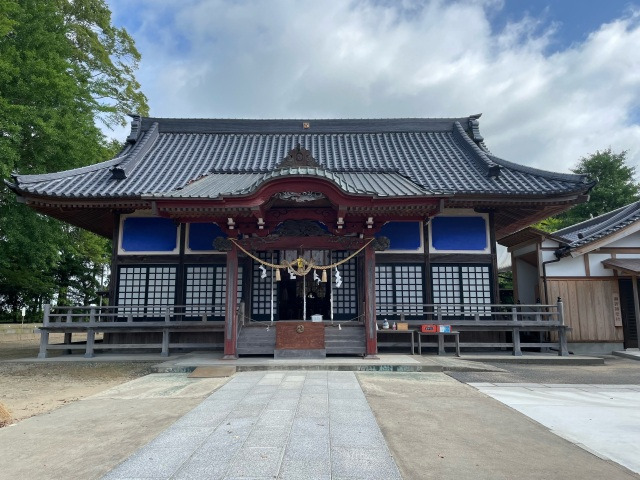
{"x":164,"y":319}
{"x":54,"y":315}
{"x":419,"y":313}
{"x":486,"y":317}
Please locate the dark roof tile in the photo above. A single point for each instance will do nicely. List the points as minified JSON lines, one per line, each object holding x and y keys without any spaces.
{"x":601,"y":226}
{"x":435,"y":155}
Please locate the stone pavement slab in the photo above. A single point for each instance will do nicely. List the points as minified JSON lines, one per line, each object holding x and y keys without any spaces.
{"x":287,"y":425}
{"x":602,"y":419}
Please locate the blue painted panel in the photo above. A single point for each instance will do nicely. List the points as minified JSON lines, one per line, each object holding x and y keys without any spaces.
{"x":202,"y":235}
{"x":459,"y":233}
{"x":143,"y":234}
{"x":402,"y":235}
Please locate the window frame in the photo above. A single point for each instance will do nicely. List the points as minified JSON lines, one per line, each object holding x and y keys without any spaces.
{"x":461,"y":288}
{"x":395,"y":276}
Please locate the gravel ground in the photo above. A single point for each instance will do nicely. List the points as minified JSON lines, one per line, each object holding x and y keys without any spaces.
{"x":28,"y":389}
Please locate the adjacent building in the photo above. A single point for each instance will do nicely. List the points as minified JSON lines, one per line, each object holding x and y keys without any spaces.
{"x":594,"y":267}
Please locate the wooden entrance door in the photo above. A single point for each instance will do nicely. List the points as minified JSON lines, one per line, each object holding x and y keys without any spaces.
{"x":629,"y":325}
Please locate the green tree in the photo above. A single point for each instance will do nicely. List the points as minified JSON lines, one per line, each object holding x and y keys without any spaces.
{"x":616,"y":188}
{"x":63,"y":68}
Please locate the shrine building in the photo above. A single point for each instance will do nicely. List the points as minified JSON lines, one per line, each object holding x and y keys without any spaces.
{"x":220,"y":226}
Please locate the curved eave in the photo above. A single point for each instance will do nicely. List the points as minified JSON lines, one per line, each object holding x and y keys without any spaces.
{"x":258,"y":194}
{"x":349,"y":183}
{"x":95,"y":215}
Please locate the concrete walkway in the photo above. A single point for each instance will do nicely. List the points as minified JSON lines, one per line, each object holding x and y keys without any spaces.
{"x":630,"y":353}
{"x":266,"y":425}
{"x":602,"y":419}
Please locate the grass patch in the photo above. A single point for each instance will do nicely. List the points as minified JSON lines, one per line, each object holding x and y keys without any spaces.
{"x":5,"y":416}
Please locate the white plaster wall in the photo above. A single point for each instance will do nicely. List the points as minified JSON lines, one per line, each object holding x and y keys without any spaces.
{"x":627,"y":255}
{"x":547,"y":255}
{"x":527,"y":282}
{"x":632,"y":241}
{"x":595,"y":265}
{"x":523,"y":250}
{"x":550,"y":244}
{"x":566,"y":267}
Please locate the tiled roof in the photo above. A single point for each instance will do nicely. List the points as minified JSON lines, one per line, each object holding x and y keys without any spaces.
{"x":599,"y":227}
{"x":399,"y":156}
{"x":226,"y":184}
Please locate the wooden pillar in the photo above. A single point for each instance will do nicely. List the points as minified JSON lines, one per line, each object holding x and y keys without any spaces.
{"x":563,"y":349}
{"x":428,"y":297}
{"x":113,"y":274}
{"x":370,"y":301}
{"x":495,"y":281}
{"x":91,"y":339}
{"x":179,"y":293}
{"x":231,"y":318}
{"x":516,"y":343}
{"x":44,"y":333}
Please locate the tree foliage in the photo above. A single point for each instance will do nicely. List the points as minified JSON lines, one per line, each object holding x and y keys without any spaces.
{"x":616,"y":188}
{"x":63,"y":68}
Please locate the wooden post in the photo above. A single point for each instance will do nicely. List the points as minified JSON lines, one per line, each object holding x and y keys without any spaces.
{"x":91,"y":338}
{"x":231,"y":319}
{"x":67,"y":335}
{"x":561,"y":311}
{"x":563,"y":350}
{"x":370,"y":301}
{"x":165,"y":333}
{"x":44,"y":334}
{"x":517,"y":352}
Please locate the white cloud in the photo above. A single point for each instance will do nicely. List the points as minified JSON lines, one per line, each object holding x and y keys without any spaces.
{"x":213,"y":58}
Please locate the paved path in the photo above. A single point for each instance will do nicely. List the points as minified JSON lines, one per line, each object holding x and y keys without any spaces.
{"x":603,"y":419}
{"x":266,"y":425}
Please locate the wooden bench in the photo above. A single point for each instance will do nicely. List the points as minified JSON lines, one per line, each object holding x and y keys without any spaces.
{"x":389,"y":331}
{"x":440,"y":335}
{"x":505,"y":326}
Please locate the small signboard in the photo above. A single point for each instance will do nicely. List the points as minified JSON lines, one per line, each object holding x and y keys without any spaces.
{"x":617,"y":312}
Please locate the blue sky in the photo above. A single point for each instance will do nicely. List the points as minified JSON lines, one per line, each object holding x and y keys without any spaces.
{"x":573,"y":20}
{"x":555,"y":80}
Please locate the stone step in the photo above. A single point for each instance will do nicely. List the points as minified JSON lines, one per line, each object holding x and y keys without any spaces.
{"x":346,"y":351}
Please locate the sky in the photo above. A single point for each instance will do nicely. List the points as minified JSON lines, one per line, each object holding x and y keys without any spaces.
{"x":554,"y":80}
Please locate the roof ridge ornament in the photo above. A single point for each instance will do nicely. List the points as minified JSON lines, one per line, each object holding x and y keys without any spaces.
{"x":298,"y":157}
{"x":136,"y":124}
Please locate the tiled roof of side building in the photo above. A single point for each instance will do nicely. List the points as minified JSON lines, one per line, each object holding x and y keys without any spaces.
{"x":435,"y":155}
{"x":601,"y":226}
